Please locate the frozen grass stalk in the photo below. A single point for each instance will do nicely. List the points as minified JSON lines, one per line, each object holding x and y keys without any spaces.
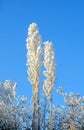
{"x":49,"y":72}
{"x":34,"y":65}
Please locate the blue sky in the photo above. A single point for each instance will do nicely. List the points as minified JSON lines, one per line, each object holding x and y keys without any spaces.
{"x":60,"y":21}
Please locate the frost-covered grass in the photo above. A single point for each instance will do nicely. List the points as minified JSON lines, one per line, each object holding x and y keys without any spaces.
{"x":41,"y":114}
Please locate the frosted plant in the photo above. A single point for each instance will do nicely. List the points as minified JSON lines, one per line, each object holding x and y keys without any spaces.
{"x":49,"y":72}
{"x":34,"y":65}
{"x":44,"y":116}
{"x":13,"y":114}
{"x":72,"y":114}
{"x":7,"y":91}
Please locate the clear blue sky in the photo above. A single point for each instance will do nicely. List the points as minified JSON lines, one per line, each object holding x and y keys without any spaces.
{"x":60,"y":21}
